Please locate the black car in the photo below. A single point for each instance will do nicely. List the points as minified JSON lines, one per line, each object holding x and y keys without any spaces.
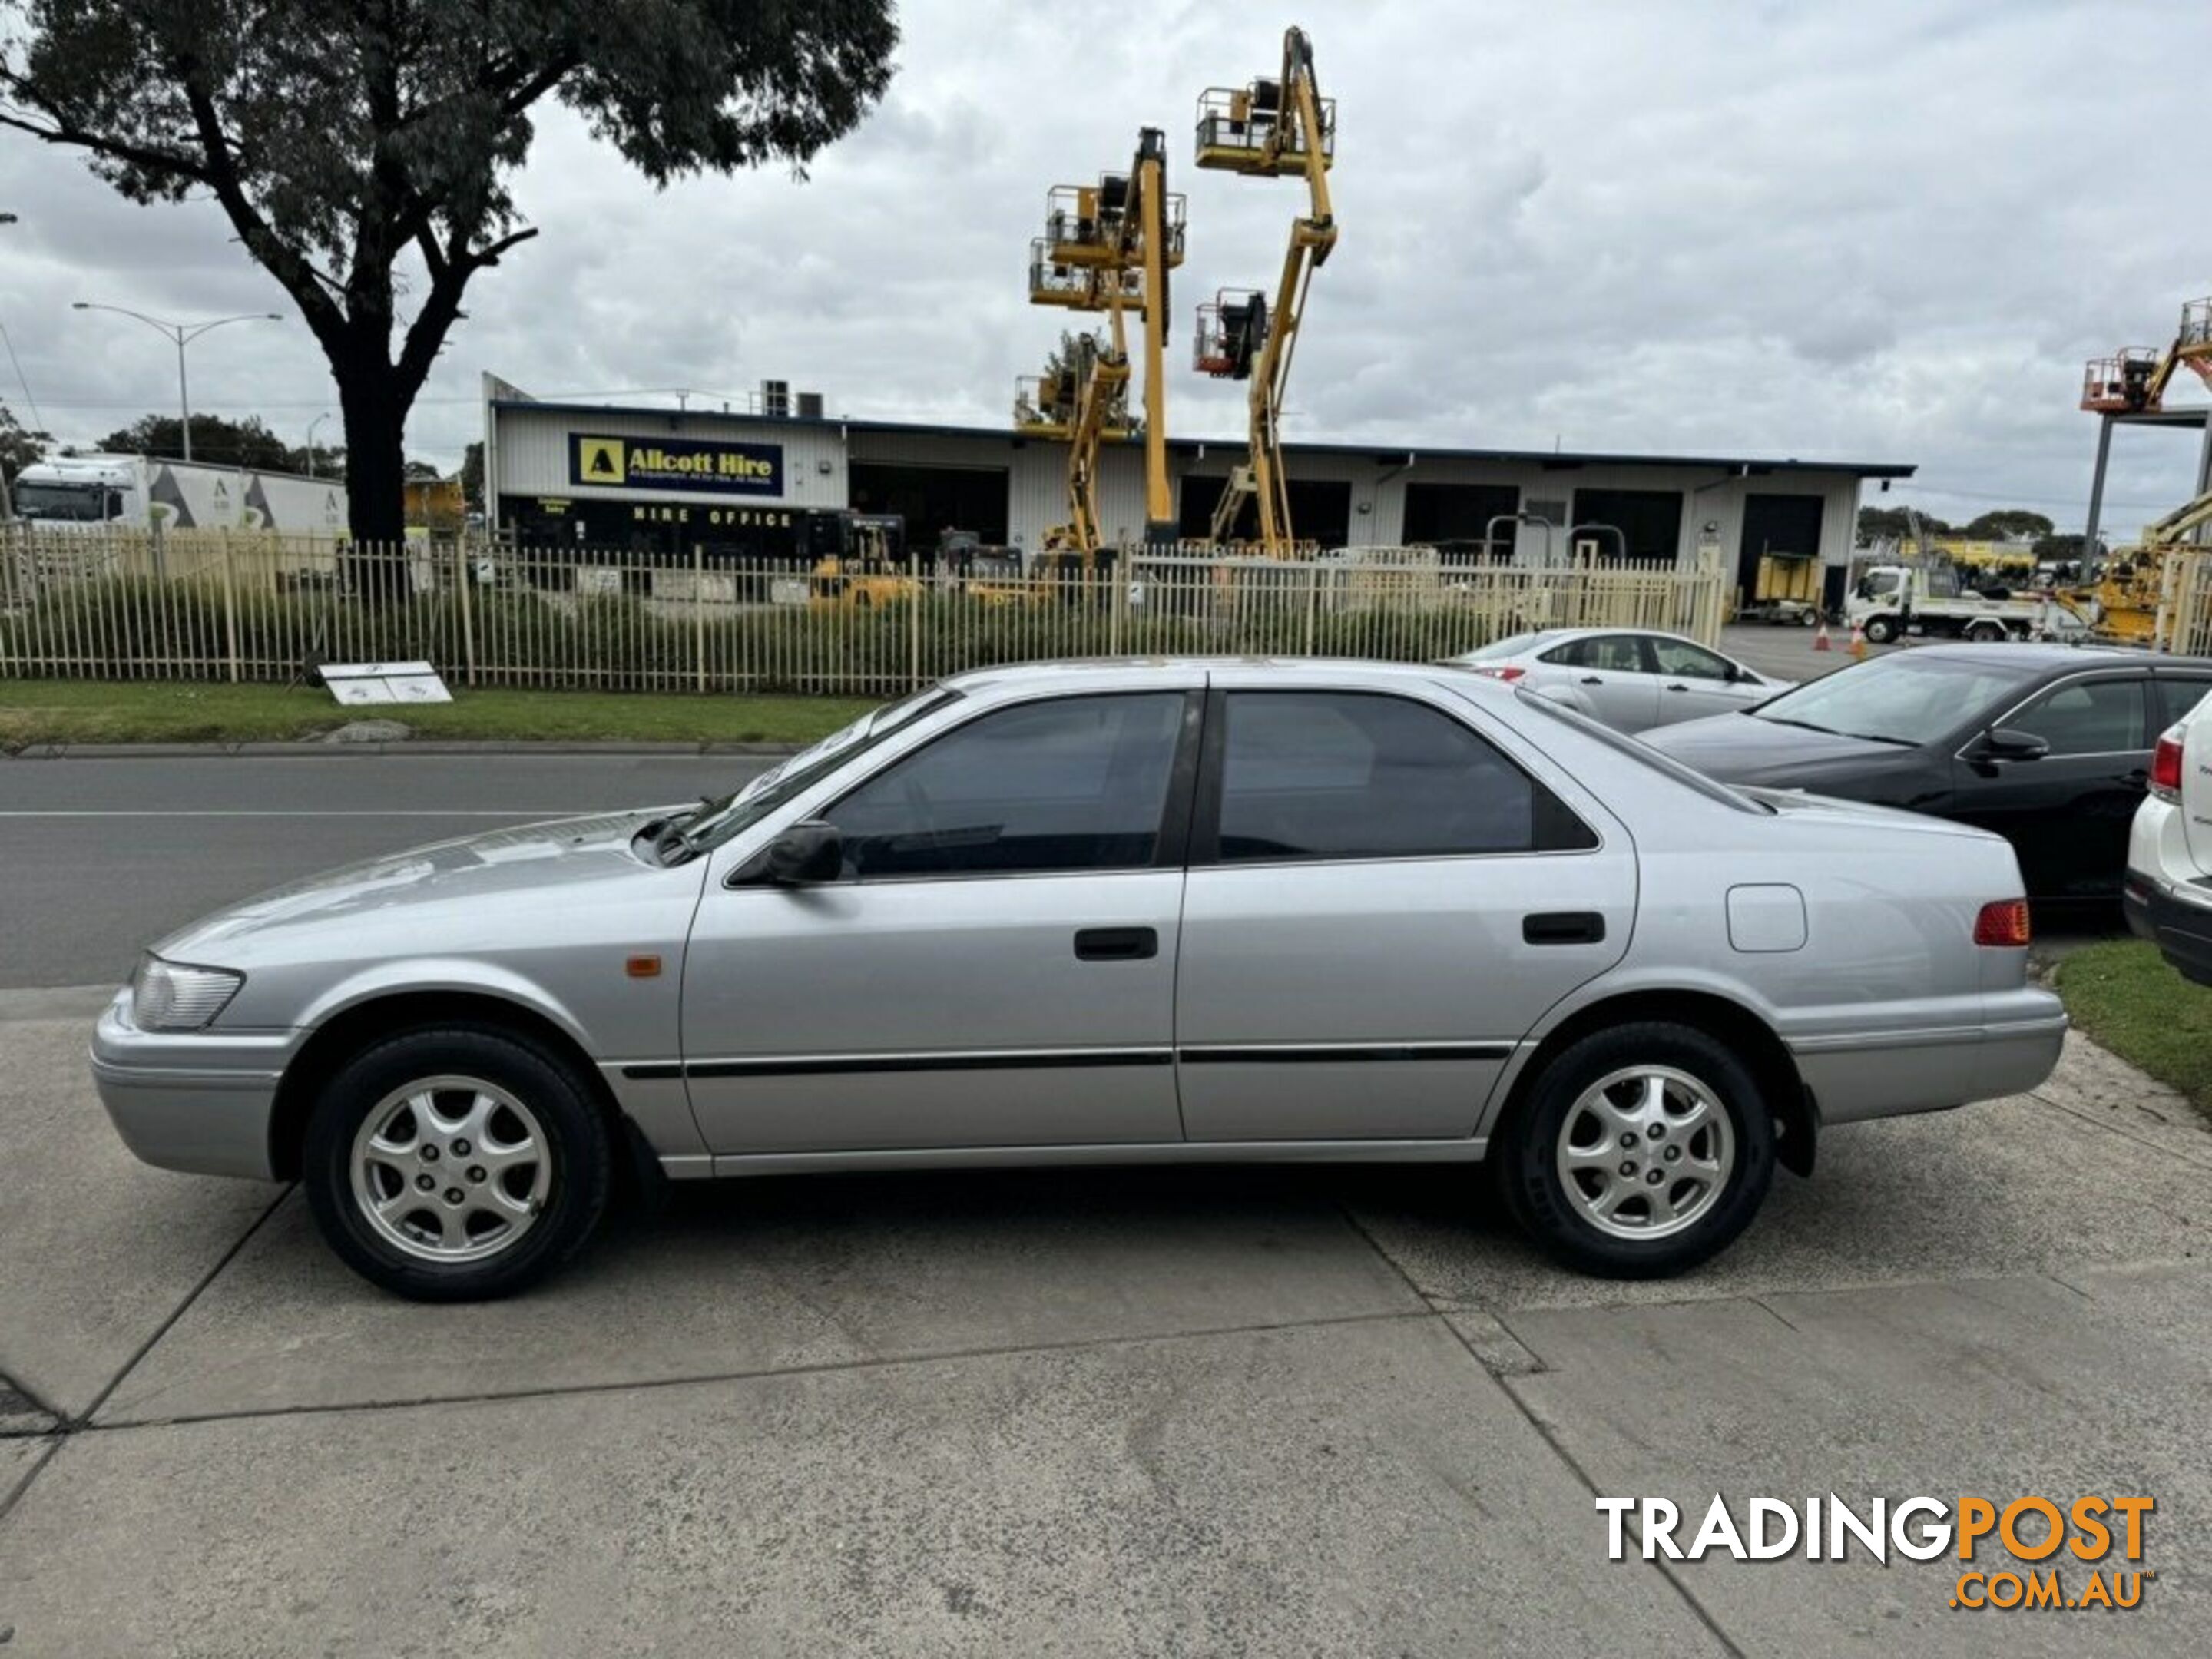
{"x":2047,"y":745}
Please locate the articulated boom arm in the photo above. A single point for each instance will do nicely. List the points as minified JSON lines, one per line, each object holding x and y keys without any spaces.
{"x":2180,"y":522}
{"x":1102,"y":395}
{"x":1300,"y":139}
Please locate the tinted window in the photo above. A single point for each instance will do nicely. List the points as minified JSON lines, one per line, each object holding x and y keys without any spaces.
{"x":1617,"y":653}
{"x":2176,"y":698}
{"x":1513,"y":645}
{"x":2092,"y":717}
{"x":1351,"y":775}
{"x":1077,"y":783}
{"x":1679,"y":656}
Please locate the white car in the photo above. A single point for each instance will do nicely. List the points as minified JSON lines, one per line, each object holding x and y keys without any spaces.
{"x":1629,"y":678}
{"x":2168,"y":890}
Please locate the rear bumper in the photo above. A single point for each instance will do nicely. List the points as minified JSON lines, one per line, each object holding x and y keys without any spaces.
{"x":199,"y":1101}
{"x":2176,"y":917}
{"x":1855,"y":1076}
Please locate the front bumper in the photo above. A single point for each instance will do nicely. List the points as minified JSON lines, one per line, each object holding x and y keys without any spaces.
{"x":197,"y":1101}
{"x":1855,"y":1076}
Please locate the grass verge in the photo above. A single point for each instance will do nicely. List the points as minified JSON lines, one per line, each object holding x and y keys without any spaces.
{"x":85,"y":711}
{"x":2124,"y":996}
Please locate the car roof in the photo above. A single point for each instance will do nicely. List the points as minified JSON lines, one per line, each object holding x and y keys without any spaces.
{"x":1139,"y":669}
{"x":2037,"y":655}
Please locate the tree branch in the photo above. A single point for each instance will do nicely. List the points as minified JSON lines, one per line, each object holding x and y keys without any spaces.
{"x":155,"y":161}
{"x":427,"y":333}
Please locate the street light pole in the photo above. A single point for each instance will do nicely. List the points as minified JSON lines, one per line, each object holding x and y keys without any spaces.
{"x":184,"y":334}
{"x":311,"y":425}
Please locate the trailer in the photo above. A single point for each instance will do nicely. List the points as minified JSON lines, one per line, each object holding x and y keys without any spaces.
{"x":92,"y":493}
{"x":1787,"y":589}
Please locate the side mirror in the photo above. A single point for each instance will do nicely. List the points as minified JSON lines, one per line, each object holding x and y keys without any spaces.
{"x":2006,"y":742}
{"x":802,"y":855}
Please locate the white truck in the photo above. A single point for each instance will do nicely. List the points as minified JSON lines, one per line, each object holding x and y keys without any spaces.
{"x":90,"y":493}
{"x":1888,"y":598}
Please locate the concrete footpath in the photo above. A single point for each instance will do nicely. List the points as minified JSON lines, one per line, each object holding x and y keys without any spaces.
{"x":1178,"y":1411}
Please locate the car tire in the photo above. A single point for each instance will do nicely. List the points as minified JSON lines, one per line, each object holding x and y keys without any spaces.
{"x":1880,"y":630}
{"x":457,"y":1163}
{"x":1985,"y":633}
{"x":1714,"y":1168}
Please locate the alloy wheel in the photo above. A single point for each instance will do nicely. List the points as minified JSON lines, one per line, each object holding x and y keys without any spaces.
{"x":451,"y":1169}
{"x":1645,"y":1152}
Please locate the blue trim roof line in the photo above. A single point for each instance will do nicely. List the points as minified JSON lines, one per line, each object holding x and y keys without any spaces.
{"x":1383,"y":453}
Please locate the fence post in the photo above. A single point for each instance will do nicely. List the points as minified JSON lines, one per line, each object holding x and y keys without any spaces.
{"x":229,"y":608}
{"x":913,"y":625}
{"x":699,"y":610}
{"x":463,"y":569}
{"x":1313,"y":603}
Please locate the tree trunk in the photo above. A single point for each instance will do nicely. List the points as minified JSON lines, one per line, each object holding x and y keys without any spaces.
{"x":376,"y":507}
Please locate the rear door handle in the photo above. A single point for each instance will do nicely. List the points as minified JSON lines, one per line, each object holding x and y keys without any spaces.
{"x":1678,"y":688}
{"x":1116,"y":944}
{"x":1563,"y":927}
{"x":1592,"y":679}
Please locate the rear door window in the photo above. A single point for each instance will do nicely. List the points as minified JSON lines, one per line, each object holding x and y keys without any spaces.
{"x":2177,"y":698}
{"x":1613,"y":653}
{"x":1349,"y":776}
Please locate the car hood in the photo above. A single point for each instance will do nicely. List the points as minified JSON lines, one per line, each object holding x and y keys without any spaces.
{"x":1742,"y":748}
{"x":531,"y":864}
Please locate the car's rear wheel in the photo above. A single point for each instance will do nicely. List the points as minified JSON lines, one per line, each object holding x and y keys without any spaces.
{"x":1985,"y":633}
{"x":456,"y":1165}
{"x":1640,"y":1150}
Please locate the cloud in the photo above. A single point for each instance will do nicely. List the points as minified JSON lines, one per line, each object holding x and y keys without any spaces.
{"x":1882,"y":230}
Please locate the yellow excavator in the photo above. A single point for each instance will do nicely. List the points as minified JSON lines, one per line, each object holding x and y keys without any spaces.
{"x":1109,"y":247}
{"x":1282,"y":128}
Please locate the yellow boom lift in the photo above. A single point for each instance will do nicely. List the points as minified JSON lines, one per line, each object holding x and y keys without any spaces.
{"x":1109,"y":247}
{"x":2125,"y":601}
{"x":1270,"y":130}
{"x":2133,"y":380}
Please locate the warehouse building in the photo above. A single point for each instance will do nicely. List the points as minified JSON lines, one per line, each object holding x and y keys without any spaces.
{"x":593,"y":476}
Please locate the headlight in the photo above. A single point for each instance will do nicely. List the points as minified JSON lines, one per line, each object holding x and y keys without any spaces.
{"x":169,"y":996}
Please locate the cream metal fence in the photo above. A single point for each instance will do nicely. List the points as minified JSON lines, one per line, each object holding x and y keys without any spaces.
{"x":2184,"y":623}
{"x":234,"y":607}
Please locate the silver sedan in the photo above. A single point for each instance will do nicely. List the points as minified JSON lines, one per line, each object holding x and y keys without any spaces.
{"x":1631,"y":679}
{"x":1092,"y":913}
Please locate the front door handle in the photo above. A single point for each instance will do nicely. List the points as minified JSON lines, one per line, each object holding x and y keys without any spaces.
{"x":1563,"y":927}
{"x":1592,"y":679}
{"x":1116,"y":944}
{"x":1678,"y":688}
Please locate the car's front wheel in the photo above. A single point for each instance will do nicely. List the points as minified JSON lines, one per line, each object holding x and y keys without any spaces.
{"x":1881,"y":630}
{"x":456,"y":1165}
{"x":1640,"y":1150}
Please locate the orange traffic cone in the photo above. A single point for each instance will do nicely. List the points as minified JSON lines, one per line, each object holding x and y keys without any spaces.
{"x":1858,"y":643}
{"x":1821,"y":636}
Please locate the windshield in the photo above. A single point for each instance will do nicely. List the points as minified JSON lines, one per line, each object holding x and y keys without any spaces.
{"x":1910,"y":698}
{"x":1513,"y":645}
{"x":82,"y":503}
{"x":725,"y":817}
{"x":1876,"y":582}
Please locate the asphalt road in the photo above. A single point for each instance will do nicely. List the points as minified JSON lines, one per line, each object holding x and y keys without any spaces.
{"x":99,"y":858}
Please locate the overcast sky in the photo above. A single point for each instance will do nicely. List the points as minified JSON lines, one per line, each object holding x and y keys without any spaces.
{"x":1883,"y":230}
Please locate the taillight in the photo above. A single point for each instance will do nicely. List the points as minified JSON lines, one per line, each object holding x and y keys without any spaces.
{"x":1503,"y":673}
{"x":2166,"y":767}
{"x":2002,"y":924}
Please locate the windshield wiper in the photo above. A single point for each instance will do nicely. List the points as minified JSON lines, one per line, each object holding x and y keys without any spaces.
{"x":1880,"y":737}
{"x":1802,"y":725}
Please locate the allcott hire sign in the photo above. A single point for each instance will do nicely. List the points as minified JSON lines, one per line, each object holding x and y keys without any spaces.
{"x":703,"y":464}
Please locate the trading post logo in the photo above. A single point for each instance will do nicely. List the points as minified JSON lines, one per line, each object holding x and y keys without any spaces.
{"x":2063,"y":1551}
